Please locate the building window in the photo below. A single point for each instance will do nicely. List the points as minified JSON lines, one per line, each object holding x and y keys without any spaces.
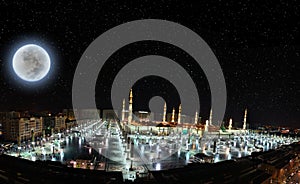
{"x":26,"y":127}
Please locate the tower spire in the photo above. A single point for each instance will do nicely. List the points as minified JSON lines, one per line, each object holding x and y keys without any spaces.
{"x":230,"y":124}
{"x":123,"y":110}
{"x":130,"y":107}
{"x":210,"y":117}
{"x":179,"y":115}
{"x":196,"y":118}
{"x":173,"y":115}
{"x":165,"y":112}
{"x":245,"y":119}
{"x":206,"y":126}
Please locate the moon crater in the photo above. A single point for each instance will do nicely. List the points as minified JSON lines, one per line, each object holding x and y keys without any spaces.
{"x":31,"y":63}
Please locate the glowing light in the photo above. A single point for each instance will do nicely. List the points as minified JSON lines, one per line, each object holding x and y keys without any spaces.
{"x":158,"y":167}
{"x":229,"y":156}
{"x":33,"y":158}
{"x":217,"y":159}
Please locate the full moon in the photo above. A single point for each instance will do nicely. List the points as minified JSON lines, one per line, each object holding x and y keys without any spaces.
{"x":31,"y":63}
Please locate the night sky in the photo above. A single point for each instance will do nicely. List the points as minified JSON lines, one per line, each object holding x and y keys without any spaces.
{"x":257,"y":45}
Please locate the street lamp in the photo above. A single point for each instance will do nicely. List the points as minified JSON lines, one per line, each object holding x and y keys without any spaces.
{"x":52,"y":148}
{"x":19,"y":148}
{"x":33,"y":146}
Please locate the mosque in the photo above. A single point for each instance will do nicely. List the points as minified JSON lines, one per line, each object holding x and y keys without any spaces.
{"x":142,"y":122}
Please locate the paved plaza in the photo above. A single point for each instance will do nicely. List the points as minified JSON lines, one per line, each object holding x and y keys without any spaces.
{"x":176,"y":149}
{"x":109,"y":147}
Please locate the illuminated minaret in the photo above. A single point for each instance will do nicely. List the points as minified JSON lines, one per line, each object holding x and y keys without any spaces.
{"x":173,"y":116}
{"x":210,"y":117}
{"x":245,"y":118}
{"x":206,"y":126}
{"x":179,"y":115}
{"x":165,"y":113}
{"x":123,"y":110}
{"x":130,"y":107}
{"x":230,"y":124}
{"x":196,"y":118}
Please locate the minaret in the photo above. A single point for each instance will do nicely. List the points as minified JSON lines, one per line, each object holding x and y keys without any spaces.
{"x":179,"y":115}
{"x":196,"y":118}
{"x":245,"y":118}
{"x":130,"y":107}
{"x":123,"y":110}
{"x":230,"y":124}
{"x":165,"y":112}
{"x":206,"y":126}
{"x":173,"y":116}
{"x":210,"y":117}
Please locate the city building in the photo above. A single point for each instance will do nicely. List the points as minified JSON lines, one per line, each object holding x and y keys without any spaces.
{"x":82,"y":114}
{"x":73,"y":117}
{"x":69,"y":113}
{"x":108,"y":114}
{"x":1,"y":131}
{"x":20,"y":126}
{"x":60,"y":122}
{"x":280,"y":163}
